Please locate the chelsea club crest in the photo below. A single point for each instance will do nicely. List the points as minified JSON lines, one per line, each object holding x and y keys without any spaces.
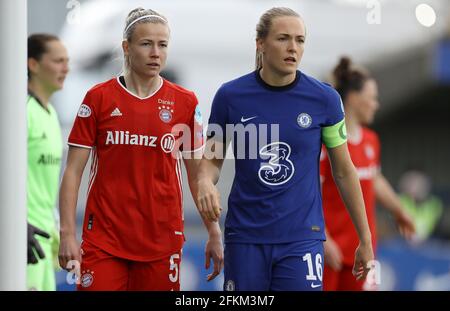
{"x":304,"y":120}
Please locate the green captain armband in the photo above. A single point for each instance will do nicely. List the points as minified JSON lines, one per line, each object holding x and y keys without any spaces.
{"x":335,"y":135}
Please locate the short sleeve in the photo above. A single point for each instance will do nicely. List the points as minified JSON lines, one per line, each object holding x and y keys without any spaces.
{"x":84,"y":130}
{"x":195,"y":122}
{"x":219,"y":116}
{"x":334,"y":131}
{"x":335,"y":108}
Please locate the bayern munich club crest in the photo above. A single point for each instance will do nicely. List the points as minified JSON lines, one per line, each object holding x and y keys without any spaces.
{"x":165,"y":113}
{"x":87,"y":278}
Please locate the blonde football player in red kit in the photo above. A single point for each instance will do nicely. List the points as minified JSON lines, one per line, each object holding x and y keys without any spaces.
{"x":135,"y":127}
{"x":359,"y":93}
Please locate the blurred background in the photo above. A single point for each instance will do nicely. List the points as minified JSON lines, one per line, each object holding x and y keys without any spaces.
{"x":404,"y":43}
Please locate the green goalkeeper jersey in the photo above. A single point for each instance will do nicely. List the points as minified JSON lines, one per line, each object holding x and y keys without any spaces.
{"x":44,"y":163}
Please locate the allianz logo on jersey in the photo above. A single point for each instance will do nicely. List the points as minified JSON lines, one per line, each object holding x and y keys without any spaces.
{"x":127,"y":138}
{"x":49,"y":159}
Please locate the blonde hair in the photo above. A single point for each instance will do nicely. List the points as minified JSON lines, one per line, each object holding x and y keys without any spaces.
{"x":264,"y":24}
{"x":136,"y":17}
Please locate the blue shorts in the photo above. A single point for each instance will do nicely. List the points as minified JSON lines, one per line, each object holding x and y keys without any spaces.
{"x":296,"y":266}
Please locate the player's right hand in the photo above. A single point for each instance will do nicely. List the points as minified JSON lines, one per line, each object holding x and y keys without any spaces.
{"x":208,"y":200}
{"x":405,"y":224}
{"x":332,"y":254}
{"x":69,"y":249}
{"x":363,"y":258}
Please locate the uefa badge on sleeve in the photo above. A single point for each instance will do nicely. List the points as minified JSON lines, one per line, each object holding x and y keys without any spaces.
{"x":198,"y":115}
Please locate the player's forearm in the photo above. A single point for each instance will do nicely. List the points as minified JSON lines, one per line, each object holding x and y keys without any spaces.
{"x":212,"y":161}
{"x":386,"y":195}
{"x":212,"y":227}
{"x":350,"y":189}
{"x":68,"y":202}
{"x":210,"y":169}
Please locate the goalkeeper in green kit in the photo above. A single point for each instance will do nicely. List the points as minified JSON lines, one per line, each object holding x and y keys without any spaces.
{"x":47,"y":70}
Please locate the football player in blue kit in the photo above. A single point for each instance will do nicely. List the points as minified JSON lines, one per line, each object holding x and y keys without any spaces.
{"x":274,"y":228}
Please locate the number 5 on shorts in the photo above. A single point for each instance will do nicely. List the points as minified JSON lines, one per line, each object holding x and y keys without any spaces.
{"x":173,"y":267}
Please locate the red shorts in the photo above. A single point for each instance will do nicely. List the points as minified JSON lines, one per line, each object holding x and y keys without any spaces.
{"x":340,"y":280}
{"x":102,"y":271}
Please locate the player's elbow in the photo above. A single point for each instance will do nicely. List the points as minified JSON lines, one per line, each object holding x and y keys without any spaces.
{"x":344,"y":171}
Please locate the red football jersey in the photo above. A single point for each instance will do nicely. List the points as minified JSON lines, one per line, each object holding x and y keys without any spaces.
{"x":134,"y":202}
{"x":365,"y":155}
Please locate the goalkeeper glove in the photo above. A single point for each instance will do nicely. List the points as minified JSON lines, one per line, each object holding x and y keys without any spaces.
{"x":33,"y":245}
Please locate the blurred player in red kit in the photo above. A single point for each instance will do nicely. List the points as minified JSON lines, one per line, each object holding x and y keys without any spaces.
{"x":359,"y":93}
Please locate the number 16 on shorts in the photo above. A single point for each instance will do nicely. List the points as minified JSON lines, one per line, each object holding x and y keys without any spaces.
{"x":314,"y":269}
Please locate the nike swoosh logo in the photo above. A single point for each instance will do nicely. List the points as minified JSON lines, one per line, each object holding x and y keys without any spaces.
{"x":247,"y":119}
{"x":315,"y":285}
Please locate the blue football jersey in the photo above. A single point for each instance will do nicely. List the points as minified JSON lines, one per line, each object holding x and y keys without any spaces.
{"x":276,"y":134}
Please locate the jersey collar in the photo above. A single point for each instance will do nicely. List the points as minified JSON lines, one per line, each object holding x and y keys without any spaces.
{"x":277,"y":88}
{"x":134,"y":95}
{"x":31,"y":94}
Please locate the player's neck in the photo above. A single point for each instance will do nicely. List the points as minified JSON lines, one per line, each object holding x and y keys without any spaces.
{"x":274,"y":79}
{"x":42,"y":94}
{"x":140,"y":86}
{"x":354,"y":129}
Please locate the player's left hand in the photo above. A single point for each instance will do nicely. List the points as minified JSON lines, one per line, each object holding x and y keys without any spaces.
{"x":405,"y":224}
{"x":363,"y":258}
{"x":214,"y":251}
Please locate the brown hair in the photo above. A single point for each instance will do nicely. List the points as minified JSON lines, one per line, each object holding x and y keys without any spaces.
{"x":347,"y":78}
{"x":37,"y":46}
